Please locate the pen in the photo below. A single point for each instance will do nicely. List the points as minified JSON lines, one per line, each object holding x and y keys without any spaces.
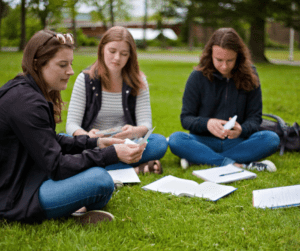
{"x":231,"y":173}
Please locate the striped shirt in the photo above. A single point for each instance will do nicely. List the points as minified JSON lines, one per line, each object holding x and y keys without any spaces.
{"x":111,"y":113}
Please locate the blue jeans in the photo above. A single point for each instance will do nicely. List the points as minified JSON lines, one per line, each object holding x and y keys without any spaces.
{"x":155,"y":149}
{"x":218,"y":152}
{"x":91,"y":188}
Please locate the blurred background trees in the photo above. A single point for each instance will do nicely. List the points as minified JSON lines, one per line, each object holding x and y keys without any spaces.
{"x":20,"y":19}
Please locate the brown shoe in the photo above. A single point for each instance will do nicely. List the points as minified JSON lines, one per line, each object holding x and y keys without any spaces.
{"x":93,"y":217}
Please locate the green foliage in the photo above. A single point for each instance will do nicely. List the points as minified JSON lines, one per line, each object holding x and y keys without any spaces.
{"x":11,"y":27}
{"x":153,"y":221}
{"x":83,"y":40}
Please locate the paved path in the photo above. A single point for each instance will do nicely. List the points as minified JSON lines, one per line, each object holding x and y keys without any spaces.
{"x":195,"y":59}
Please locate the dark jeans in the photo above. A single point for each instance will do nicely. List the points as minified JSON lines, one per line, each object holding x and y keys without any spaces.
{"x":219,"y":152}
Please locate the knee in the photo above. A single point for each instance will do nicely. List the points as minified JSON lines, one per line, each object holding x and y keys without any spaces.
{"x":101,"y":180}
{"x":175,"y":139}
{"x":161,"y":145}
{"x":271,"y":138}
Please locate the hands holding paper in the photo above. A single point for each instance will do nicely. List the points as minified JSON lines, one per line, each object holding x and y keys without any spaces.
{"x":131,"y":132}
{"x":130,"y":153}
{"x":219,"y":128}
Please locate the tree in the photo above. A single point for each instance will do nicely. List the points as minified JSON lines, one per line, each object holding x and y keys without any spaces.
{"x":71,"y":5}
{"x":3,"y":12}
{"x":165,"y":9}
{"x":46,"y":9}
{"x":23,"y":26}
{"x":254,"y":12}
{"x":109,"y":10}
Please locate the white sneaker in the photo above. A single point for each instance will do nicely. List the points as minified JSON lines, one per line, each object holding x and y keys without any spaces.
{"x":262,"y":166}
{"x":93,"y":216}
{"x":184,"y":163}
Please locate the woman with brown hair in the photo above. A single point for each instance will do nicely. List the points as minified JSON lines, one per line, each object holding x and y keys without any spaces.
{"x":44,"y":175}
{"x":223,"y":85}
{"x":112,"y":94}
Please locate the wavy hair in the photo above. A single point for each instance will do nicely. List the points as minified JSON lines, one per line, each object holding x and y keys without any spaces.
{"x":130,"y":72}
{"x":41,"y":48}
{"x":242,"y":73}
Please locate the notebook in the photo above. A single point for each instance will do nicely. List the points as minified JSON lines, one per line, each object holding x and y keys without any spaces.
{"x":127,"y":175}
{"x":190,"y":188}
{"x":224,"y":174}
{"x":288,"y":196}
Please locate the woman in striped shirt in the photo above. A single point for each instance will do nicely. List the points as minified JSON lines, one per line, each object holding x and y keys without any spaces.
{"x":113,"y":93}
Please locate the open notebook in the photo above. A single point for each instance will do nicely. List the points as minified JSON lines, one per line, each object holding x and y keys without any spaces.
{"x":224,"y":174}
{"x":288,"y":196}
{"x":127,"y":175}
{"x":190,"y":188}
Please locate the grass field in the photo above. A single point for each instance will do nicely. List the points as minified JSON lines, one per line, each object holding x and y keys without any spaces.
{"x":155,"y":221}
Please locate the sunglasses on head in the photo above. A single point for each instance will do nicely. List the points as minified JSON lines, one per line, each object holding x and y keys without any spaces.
{"x":64,"y":38}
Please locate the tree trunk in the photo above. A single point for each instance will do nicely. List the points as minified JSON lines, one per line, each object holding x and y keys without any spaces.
{"x":23,"y":26}
{"x":257,"y":40}
{"x":73,"y":10}
{"x":1,"y":11}
{"x":112,"y":13}
{"x":145,"y":25}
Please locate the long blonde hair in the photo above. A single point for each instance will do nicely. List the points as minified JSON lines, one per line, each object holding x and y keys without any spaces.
{"x":130,"y":72}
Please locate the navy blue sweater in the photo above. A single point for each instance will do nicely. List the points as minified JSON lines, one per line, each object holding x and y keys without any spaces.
{"x":203,"y":100}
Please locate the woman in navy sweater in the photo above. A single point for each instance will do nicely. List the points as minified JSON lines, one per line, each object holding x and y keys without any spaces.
{"x":224,"y":84}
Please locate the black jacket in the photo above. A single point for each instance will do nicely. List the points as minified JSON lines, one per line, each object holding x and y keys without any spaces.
{"x":31,"y":152}
{"x":94,"y":99}
{"x":219,"y":99}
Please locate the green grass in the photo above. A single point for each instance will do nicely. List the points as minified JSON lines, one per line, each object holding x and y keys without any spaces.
{"x":155,"y":221}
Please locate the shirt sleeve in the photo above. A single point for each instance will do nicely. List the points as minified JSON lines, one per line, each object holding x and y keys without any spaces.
{"x":253,"y":111}
{"x":77,"y":105}
{"x":30,"y":119}
{"x":191,"y":101}
{"x":143,"y":107}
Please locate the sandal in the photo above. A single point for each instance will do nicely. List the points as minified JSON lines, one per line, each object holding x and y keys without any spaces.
{"x":150,"y":164}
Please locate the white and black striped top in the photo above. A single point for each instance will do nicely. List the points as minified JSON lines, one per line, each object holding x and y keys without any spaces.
{"x":111,"y":112}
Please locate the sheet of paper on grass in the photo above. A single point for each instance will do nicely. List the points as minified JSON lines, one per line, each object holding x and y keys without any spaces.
{"x":190,"y":188}
{"x":127,"y":175}
{"x":288,"y":196}
{"x":224,"y":174}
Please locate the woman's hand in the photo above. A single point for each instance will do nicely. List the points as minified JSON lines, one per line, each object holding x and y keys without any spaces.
{"x":92,"y":133}
{"x":105,"y":142}
{"x":235,"y":132}
{"x":216,"y":127}
{"x":130,"y":153}
{"x":131,"y":132}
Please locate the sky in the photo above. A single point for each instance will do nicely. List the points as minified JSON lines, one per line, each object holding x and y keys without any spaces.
{"x":138,"y":8}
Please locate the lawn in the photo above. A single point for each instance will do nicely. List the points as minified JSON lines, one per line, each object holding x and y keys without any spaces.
{"x":155,"y":221}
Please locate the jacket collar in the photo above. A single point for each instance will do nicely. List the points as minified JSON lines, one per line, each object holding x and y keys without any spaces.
{"x":20,"y":79}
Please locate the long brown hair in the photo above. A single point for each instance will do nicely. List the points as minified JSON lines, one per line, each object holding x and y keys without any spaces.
{"x":130,"y":72}
{"x":39,"y":50}
{"x":242,"y":73}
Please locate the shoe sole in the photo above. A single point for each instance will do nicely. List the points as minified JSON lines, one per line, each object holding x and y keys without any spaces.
{"x":94,"y":217}
{"x":270,"y":166}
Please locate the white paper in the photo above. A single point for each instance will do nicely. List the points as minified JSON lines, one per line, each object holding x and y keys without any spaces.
{"x":183,"y":187}
{"x":144,"y":140}
{"x":288,"y":196}
{"x":140,"y":141}
{"x":127,"y":175}
{"x":231,"y":173}
{"x":230,"y":124}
